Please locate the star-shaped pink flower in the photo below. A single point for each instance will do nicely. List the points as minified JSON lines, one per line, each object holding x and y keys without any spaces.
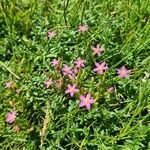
{"x":11,"y":116}
{"x":110,"y":89}
{"x":48,"y":83}
{"x":97,"y":50}
{"x":86,"y":101}
{"x":72,"y":90}
{"x":18,"y":91}
{"x":58,"y":83}
{"x":75,"y":70}
{"x":123,"y":72}
{"x":72,"y":76}
{"x":100,"y":68}
{"x":79,"y":63}
{"x":66,"y":70}
{"x":51,"y":34}
{"x":83,"y":28}
{"x":55,"y":62}
{"x":8,"y":84}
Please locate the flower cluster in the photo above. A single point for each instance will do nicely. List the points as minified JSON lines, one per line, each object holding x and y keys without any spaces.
{"x":72,"y":71}
{"x":71,"y":74}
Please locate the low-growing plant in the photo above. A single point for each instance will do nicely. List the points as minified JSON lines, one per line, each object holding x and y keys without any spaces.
{"x":74,"y":75}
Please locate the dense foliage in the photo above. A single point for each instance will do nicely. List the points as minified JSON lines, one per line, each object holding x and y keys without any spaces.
{"x":74,"y":74}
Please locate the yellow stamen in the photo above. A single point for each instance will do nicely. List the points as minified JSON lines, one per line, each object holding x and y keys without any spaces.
{"x":100,"y":68}
{"x":71,"y":89}
{"x":86,"y":101}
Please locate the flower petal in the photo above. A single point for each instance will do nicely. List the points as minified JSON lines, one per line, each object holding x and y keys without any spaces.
{"x":123,"y":68}
{"x":71,"y":94}
{"x":95,"y":69}
{"x":103,"y":64}
{"x":97,"y":64}
{"x":97,"y":46}
{"x":88,"y":106}
{"x":91,"y":101}
{"x":74,"y":86}
{"x":69,"y":86}
{"x":82,"y":97}
{"x":67,"y":91}
{"x":82,"y":104}
{"x":76,"y":90}
{"x":100,"y":71}
{"x":88,"y":96}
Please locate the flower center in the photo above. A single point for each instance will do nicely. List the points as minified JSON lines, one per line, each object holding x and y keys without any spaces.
{"x":97,"y":50}
{"x":123,"y":72}
{"x":86,"y":101}
{"x":67,"y":70}
{"x":13,"y":116}
{"x":100,"y":68}
{"x":71,"y":89}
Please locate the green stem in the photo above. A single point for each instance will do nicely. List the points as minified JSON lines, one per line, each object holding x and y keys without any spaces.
{"x":65,"y":11}
{"x":8,"y":69}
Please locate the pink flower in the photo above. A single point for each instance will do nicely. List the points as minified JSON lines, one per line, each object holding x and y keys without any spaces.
{"x":86,"y":101}
{"x":123,"y":72}
{"x":110,"y":89}
{"x":55,"y":62}
{"x":97,"y":50}
{"x":75,"y":70}
{"x":66,"y":70}
{"x":16,"y":129}
{"x":71,"y":90}
{"x":58,"y":83}
{"x":8,"y":84}
{"x":11,"y":116}
{"x":83,"y":28}
{"x":72,"y":76}
{"x":48,"y":83}
{"x":18,"y":91}
{"x":100,"y":68}
{"x":51,"y":34}
{"x":79,"y":63}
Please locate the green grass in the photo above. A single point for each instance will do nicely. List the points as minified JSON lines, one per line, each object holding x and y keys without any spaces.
{"x":49,"y":118}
